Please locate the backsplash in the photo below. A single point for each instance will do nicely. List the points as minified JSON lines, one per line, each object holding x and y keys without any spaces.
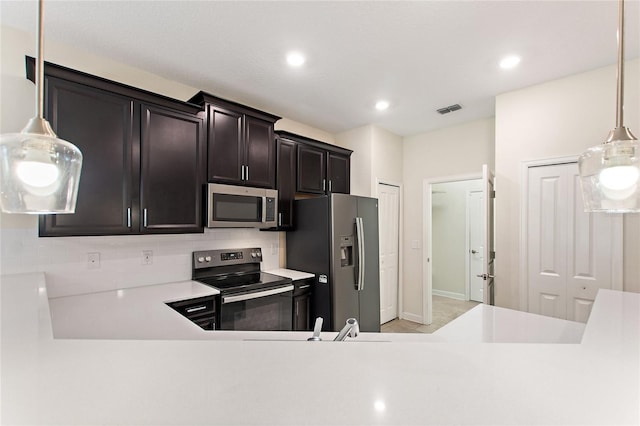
{"x":65,"y":260}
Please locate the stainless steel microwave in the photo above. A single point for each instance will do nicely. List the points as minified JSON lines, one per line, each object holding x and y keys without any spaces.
{"x":231,"y":206}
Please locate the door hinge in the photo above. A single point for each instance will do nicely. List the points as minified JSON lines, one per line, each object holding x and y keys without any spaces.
{"x":493,"y":194}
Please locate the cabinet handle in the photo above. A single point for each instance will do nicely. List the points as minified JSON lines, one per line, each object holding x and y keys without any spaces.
{"x":247,"y":172}
{"x":144,"y":218}
{"x":279,"y":219}
{"x":324,"y":184}
{"x":196,"y":309}
{"x":128,"y":217}
{"x":304,"y":286}
{"x":329,"y":185}
{"x":242,"y":172}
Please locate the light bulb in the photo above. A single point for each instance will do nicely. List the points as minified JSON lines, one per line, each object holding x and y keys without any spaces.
{"x":619,"y":178}
{"x":37,"y":174}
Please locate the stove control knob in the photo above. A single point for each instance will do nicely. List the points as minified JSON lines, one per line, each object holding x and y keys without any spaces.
{"x":200,"y":259}
{"x":253,"y":254}
{"x":208,"y":258}
{"x":259,"y":253}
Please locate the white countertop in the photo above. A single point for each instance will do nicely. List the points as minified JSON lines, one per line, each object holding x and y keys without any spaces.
{"x":132,"y":313}
{"x":87,"y":381}
{"x":290,"y":273}
{"x":492,"y":324}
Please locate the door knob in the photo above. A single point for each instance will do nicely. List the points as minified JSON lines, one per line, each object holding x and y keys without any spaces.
{"x":473,"y":252}
{"x":485,"y":276}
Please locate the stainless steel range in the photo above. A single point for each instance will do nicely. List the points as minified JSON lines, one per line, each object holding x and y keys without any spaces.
{"x":249,"y":299}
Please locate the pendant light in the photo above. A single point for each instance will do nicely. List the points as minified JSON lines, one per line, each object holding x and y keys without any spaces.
{"x":610,"y":173}
{"x":39,"y":173}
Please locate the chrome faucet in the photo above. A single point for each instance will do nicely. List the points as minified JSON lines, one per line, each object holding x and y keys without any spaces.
{"x":350,"y":329}
{"x":316,"y":331}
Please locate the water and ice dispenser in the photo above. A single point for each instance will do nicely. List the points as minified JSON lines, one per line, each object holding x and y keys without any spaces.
{"x":346,"y":250}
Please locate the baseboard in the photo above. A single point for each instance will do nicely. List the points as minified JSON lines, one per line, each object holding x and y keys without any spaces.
{"x":412,"y":317}
{"x":449,"y":294}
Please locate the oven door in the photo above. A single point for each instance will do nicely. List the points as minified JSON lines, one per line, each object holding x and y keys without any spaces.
{"x":264,"y":310}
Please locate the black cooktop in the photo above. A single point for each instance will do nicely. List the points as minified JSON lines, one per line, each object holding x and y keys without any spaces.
{"x":245,"y":282}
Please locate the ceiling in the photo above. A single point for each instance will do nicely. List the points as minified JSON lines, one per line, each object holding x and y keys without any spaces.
{"x":420,"y":56}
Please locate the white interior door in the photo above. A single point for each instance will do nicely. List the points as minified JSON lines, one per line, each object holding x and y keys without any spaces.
{"x":489,"y":253}
{"x":475,"y":204}
{"x":389,"y":223}
{"x":570,"y":254}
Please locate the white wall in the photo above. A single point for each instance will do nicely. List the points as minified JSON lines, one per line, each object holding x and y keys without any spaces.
{"x":377,"y":156}
{"x":64,"y":260}
{"x":304,"y":130}
{"x":360,"y":141}
{"x":555,"y":119}
{"x":449,"y":239}
{"x":386,"y":158}
{"x":457,"y":150}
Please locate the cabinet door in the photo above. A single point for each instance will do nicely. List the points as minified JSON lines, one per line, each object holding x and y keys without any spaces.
{"x":311,"y":170}
{"x":260,"y":160}
{"x":301,"y":311}
{"x":171,"y":155}
{"x":338,"y":173}
{"x":100,"y":124}
{"x":225,"y":148}
{"x":286,"y":182}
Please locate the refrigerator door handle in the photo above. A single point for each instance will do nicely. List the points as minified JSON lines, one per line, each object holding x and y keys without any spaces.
{"x":360,"y":240}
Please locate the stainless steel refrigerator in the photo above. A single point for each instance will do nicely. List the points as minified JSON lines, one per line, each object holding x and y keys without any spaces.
{"x":336,"y":238}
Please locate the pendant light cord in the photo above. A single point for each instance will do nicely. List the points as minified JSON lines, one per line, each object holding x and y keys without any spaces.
{"x":40,"y":63}
{"x":620,"y":76}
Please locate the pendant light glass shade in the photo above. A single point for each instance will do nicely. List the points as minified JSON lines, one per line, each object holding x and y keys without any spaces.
{"x":610,"y":173}
{"x":39,"y":173}
{"x":610,"y":177}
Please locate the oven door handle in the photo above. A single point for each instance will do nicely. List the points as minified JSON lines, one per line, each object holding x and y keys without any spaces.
{"x":256,"y":295}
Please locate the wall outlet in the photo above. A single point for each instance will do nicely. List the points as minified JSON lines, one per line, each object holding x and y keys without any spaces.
{"x":93,"y":260}
{"x":147,"y":257}
{"x":274,"y":248}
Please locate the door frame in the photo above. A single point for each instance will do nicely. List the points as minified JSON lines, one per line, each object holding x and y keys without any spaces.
{"x":427,"y":270}
{"x":400,"y":233}
{"x":617,"y":267}
{"x":467,"y":293}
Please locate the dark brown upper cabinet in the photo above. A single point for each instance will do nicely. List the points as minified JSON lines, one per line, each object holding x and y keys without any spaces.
{"x":322,"y":168}
{"x":241,"y":143}
{"x":171,"y":168}
{"x":338,"y":173}
{"x":286,"y":181}
{"x":312,"y":170}
{"x":143,"y":157}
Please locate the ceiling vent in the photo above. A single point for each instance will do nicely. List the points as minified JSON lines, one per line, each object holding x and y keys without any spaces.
{"x":450,"y":108}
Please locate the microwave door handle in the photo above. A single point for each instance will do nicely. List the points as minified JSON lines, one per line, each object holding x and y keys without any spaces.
{"x":264,"y":209}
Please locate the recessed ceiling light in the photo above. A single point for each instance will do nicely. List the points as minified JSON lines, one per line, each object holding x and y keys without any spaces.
{"x":509,"y":62}
{"x":295,"y":59}
{"x":382,"y":105}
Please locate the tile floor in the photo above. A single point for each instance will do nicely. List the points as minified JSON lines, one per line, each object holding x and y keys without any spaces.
{"x":445,"y":310}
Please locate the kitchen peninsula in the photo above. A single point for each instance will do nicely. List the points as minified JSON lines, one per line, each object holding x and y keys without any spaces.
{"x":47,"y":380}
